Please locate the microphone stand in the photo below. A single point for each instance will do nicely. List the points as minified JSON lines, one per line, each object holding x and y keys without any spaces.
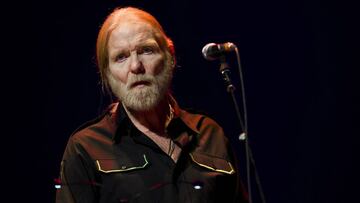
{"x":230,"y":88}
{"x":225,"y":72}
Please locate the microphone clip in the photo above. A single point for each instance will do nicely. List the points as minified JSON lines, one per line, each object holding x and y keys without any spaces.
{"x":225,"y":72}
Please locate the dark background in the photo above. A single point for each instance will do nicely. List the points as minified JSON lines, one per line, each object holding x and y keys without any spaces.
{"x":299,"y":61}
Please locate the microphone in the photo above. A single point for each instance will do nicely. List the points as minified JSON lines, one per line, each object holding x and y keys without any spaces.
{"x":213,"y":51}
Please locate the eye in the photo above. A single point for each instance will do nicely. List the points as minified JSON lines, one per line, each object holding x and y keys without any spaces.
{"x":147,"y":50}
{"x":120,"y":58}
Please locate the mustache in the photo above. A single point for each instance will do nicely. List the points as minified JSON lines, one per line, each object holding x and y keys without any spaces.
{"x":134,"y":80}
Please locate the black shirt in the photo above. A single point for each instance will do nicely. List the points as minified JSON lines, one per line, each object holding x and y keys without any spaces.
{"x":109,"y":160}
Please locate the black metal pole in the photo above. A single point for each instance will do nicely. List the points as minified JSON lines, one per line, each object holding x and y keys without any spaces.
{"x":230,"y":88}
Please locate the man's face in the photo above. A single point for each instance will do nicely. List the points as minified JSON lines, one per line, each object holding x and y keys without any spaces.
{"x":139,"y":71}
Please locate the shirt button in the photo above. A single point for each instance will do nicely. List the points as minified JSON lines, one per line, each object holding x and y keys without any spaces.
{"x":123,"y":167}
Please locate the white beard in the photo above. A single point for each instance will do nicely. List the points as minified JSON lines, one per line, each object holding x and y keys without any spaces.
{"x":144,"y":98}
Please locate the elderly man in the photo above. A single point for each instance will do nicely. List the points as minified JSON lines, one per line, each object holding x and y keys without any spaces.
{"x":145,"y":148}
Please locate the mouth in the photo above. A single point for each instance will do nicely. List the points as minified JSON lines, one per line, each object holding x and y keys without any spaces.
{"x":140,"y":84}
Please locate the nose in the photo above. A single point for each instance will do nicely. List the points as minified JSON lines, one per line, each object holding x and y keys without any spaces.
{"x":136,"y":65}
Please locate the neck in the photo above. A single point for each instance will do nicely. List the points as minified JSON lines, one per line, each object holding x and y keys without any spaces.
{"x":153,"y":120}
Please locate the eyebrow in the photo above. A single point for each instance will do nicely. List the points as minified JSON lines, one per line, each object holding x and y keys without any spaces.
{"x":141,"y":43}
{"x":148,"y":42}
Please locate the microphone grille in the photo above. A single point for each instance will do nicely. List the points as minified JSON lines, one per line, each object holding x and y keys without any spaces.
{"x":205,"y":50}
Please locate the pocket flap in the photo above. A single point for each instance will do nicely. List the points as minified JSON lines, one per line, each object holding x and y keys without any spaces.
{"x":117,"y":165}
{"x":212,"y":163}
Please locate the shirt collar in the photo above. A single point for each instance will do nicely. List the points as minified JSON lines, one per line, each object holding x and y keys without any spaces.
{"x":181,"y":122}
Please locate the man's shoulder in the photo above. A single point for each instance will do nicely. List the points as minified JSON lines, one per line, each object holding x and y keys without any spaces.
{"x":100,"y":125}
{"x":200,"y":118}
{"x":212,"y":142}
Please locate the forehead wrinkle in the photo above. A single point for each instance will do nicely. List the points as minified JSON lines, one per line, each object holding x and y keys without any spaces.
{"x":124,"y":37}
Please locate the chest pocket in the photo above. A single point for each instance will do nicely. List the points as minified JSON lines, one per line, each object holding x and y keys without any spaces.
{"x":212,"y":163}
{"x":122,"y":165}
